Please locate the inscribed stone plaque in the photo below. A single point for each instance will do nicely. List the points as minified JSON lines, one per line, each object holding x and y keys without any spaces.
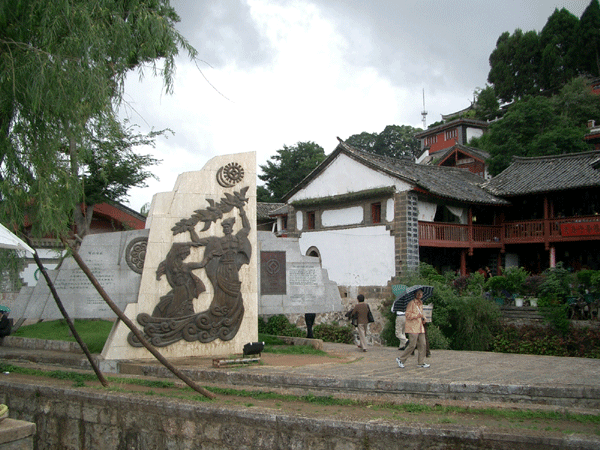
{"x":272,"y":273}
{"x":303,"y":276}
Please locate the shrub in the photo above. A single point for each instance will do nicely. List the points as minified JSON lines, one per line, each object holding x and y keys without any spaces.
{"x":334,"y":333}
{"x":437,"y":340}
{"x":461,"y":283}
{"x":473,"y":322}
{"x":557,"y":282}
{"x":388,"y":333}
{"x":279,"y":325}
{"x":584,"y":277}
{"x":578,"y":342}
{"x":532,"y":285}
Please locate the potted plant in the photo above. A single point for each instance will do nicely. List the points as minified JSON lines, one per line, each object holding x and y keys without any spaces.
{"x":515,"y":278}
{"x":499,"y":288}
{"x":531,"y":288}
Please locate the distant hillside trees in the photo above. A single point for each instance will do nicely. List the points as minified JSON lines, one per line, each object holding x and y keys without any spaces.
{"x":288,"y":167}
{"x":527,"y":63}
{"x":393,"y":141}
{"x":541,"y":125}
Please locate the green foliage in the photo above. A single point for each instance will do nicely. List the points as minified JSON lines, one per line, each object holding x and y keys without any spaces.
{"x":279,"y":325}
{"x":288,"y":167}
{"x":531,"y":286}
{"x":554,"y":314}
{"x":588,"y":39}
{"x":394,"y":141}
{"x":540,"y":126}
{"x":487,"y":106}
{"x":332,"y":332}
{"x":527,"y":63}
{"x":466,"y":323}
{"x":515,"y":279}
{"x":584,"y":277}
{"x":388,"y":333}
{"x":576,"y":342}
{"x":64,"y":66}
{"x":558,"y":41}
{"x":496,"y":285}
{"x":294,"y":350}
{"x":437,"y":340}
{"x":556,"y":285}
{"x":473,"y":323}
{"x":10,"y":269}
{"x":514,"y":65}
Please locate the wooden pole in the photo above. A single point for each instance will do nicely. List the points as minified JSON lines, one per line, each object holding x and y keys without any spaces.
{"x":134,"y":329}
{"x":65,"y":314}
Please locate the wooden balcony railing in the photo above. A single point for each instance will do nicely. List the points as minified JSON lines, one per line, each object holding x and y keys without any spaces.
{"x":435,"y":234}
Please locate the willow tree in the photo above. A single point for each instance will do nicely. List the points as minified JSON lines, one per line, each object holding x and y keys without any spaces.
{"x":63,"y":65}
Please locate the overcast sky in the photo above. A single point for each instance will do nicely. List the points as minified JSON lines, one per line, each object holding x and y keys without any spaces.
{"x":275,"y":73}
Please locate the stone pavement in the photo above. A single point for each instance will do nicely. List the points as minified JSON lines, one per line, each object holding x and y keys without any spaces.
{"x":453,"y":376}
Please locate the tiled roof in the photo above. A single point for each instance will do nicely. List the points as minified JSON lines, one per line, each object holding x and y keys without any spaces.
{"x":447,"y":182}
{"x":264,"y":210}
{"x":442,"y":154}
{"x":547,"y":173}
{"x":453,"y":123}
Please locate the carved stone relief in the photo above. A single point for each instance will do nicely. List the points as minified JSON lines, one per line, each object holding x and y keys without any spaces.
{"x":173,"y":317}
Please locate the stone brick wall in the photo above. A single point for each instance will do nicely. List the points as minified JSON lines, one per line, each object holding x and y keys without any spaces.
{"x":406,"y":231}
{"x":69,"y":418}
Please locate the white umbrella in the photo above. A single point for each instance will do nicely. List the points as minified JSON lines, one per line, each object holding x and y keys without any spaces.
{"x":10,"y":240}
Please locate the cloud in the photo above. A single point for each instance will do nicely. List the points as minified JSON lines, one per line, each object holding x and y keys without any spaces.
{"x":277,"y":73}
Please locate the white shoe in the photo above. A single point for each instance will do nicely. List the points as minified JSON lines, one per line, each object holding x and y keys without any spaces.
{"x":400,"y":363}
{"x":424,"y":366}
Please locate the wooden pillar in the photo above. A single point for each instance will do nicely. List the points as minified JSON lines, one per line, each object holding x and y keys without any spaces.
{"x":463,"y":262}
{"x":499,"y":264}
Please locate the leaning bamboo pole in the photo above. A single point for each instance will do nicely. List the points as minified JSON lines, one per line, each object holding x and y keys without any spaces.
{"x":133,"y":328}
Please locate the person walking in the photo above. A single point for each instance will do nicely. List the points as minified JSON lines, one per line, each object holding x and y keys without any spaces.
{"x":400,"y":328}
{"x":361,"y":310}
{"x":415,"y":320}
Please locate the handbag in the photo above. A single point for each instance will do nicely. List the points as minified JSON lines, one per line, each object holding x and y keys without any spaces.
{"x":370,"y":315}
{"x":352,"y":317}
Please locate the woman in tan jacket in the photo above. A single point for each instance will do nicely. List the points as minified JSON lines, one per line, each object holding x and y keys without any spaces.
{"x":361,"y":310}
{"x":415,"y":320}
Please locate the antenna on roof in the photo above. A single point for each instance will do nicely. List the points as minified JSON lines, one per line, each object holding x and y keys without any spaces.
{"x":424,"y":112}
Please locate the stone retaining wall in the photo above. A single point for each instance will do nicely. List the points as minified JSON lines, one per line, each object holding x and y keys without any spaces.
{"x":69,"y":418}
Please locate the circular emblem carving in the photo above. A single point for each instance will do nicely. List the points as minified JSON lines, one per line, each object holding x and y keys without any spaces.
{"x":230,"y":175}
{"x":273,"y":266}
{"x":136,"y":253}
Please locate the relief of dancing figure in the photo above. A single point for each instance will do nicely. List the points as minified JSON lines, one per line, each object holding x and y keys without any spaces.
{"x":223,"y":258}
{"x":173,"y":317}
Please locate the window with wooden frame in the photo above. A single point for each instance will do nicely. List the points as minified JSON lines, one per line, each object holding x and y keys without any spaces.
{"x":376,"y":212}
{"x":310,"y":220}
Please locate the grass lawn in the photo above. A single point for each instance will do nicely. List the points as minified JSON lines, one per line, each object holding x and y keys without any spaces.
{"x":95,"y":332}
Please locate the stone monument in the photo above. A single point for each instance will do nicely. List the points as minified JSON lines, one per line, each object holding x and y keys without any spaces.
{"x":115,"y":259}
{"x":198,"y":294}
{"x":292,"y":283}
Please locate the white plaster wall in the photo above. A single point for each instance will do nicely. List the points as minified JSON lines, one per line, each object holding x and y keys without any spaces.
{"x":345,"y":175}
{"x":345,"y":216}
{"x":354,"y":257}
{"x":299,"y":220}
{"x":473,"y":133}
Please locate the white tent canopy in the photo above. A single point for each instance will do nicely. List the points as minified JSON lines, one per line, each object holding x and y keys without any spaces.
{"x":10,"y":240}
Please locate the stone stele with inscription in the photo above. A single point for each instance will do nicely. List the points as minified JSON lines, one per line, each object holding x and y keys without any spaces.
{"x":115,"y":259}
{"x":198,"y":294}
